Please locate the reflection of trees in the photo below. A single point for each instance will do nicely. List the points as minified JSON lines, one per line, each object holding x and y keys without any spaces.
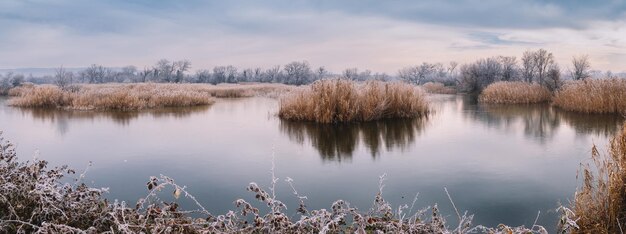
{"x":63,"y":117}
{"x":338,"y":141}
{"x":539,"y":121}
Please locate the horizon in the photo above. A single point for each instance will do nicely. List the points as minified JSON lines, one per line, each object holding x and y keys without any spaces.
{"x":382,"y":37}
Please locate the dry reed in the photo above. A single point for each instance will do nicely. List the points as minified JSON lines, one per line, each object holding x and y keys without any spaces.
{"x":600,"y":205}
{"x":506,"y":92}
{"x":135,"y":96}
{"x":438,"y":88}
{"x":593,"y":96}
{"x":332,"y":101}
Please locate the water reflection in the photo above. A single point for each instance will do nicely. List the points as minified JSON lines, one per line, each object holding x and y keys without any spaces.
{"x":338,"y":142}
{"x":62,"y":118}
{"x":539,"y":121}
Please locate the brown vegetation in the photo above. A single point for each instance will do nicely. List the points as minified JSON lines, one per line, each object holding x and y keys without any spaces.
{"x":600,"y":205}
{"x":439,"y":88}
{"x":331,"y":101}
{"x":133,"y":96}
{"x":506,"y":92}
{"x":593,"y":96}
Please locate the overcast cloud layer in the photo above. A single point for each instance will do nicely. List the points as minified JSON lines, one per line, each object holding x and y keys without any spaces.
{"x":379,"y":35}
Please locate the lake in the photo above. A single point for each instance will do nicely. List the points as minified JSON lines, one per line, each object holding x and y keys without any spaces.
{"x":501,"y":163}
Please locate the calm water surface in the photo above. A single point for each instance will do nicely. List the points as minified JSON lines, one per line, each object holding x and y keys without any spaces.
{"x":501,"y":163}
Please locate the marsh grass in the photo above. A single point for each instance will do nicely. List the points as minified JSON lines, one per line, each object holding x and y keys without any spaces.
{"x":332,"y":101}
{"x":600,"y":204}
{"x":593,"y":96}
{"x":507,"y":92}
{"x":134,"y":96}
{"x":438,"y":88}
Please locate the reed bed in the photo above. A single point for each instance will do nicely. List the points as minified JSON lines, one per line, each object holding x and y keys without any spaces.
{"x":135,"y":96}
{"x":332,"y":101}
{"x":507,"y":92}
{"x":593,"y":96}
{"x":600,"y":204}
{"x":438,"y":88}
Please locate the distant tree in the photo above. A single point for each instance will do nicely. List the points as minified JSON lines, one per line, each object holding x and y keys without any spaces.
{"x":528,"y":66}
{"x":298,"y":73}
{"x":219,"y":75}
{"x":543,"y":60}
{"x":203,"y":76}
{"x":93,"y":74}
{"x":478,"y":75}
{"x":416,"y":74}
{"x":350,"y":73}
{"x":581,"y":67}
{"x":553,"y":79}
{"x":273,"y":74}
{"x":180,"y":67}
{"x":510,"y":70}
{"x":231,"y":74}
{"x":321,"y":73}
{"x":15,"y":79}
{"x":63,"y":78}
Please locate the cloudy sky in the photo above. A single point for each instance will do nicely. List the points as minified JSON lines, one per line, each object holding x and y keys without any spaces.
{"x":380,"y":35}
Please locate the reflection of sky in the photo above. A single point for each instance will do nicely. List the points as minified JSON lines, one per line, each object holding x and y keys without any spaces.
{"x":492,"y":166}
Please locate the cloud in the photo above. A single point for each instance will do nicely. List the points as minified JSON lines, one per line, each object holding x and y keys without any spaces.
{"x":379,"y":35}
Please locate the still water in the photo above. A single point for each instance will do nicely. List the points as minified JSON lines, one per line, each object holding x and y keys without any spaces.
{"x":501,"y":163}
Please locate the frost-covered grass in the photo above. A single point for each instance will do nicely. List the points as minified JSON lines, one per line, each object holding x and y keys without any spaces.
{"x":593,"y":96}
{"x":34,"y":198}
{"x":332,"y":101}
{"x":133,"y":96}
{"x":508,"y":92}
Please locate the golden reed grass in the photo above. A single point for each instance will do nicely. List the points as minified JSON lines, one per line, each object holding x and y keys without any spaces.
{"x":135,"y":96}
{"x":330,"y":101}
{"x":439,"y":88}
{"x":593,"y":96}
{"x":507,"y":92}
{"x":600,"y":204}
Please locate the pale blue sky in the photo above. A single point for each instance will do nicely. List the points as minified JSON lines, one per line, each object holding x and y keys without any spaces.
{"x":379,"y":35}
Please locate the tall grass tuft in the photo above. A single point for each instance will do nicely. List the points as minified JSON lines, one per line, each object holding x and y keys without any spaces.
{"x":600,"y":204}
{"x":593,"y":96}
{"x":507,"y":92}
{"x":332,"y":101}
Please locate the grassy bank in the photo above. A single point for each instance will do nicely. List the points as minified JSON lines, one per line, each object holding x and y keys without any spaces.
{"x":133,"y":96}
{"x":38,"y":199}
{"x":593,"y":96}
{"x":331,"y":101}
{"x":438,"y":88}
{"x":505,"y":92}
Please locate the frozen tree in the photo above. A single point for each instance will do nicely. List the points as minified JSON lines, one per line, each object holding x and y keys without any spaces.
{"x":321,"y":73}
{"x":219,"y":75}
{"x":415,"y":74}
{"x":180,"y":67}
{"x":298,"y":73}
{"x":581,"y":67}
{"x":350,"y":73}
{"x":478,"y":75}
{"x":543,"y":60}
{"x":203,"y":76}
{"x":273,"y":74}
{"x":93,"y":74}
{"x":231,"y":74}
{"x":510,"y":70}
{"x":528,"y":66}
{"x":63,"y":78}
{"x":553,"y":79}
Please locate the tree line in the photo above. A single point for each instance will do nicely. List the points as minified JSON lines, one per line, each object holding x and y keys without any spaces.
{"x":534,"y":66}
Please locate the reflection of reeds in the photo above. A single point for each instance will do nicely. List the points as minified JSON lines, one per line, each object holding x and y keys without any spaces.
{"x":337,"y":142}
{"x":506,"y":92}
{"x":331,"y":101}
{"x":600,"y":204}
{"x":593,"y":96}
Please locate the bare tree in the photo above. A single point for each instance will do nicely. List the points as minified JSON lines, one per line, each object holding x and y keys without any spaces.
{"x":510,"y":70}
{"x":231,"y":74}
{"x":219,"y":75}
{"x":298,"y":73}
{"x":416,"y":74}
{"x":553,"y":79}
{"x":543,"y":61}
{"x":274,"y":74}
{"x":181,"y":67}
{"x":63,"y":78}
{"x":203,"y":76}
{"x":350,"y":73}
{"x":478,"y":75}
{"x":581,"y":67}
{"x":528,"y":66}
{"x":321,"y":73}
